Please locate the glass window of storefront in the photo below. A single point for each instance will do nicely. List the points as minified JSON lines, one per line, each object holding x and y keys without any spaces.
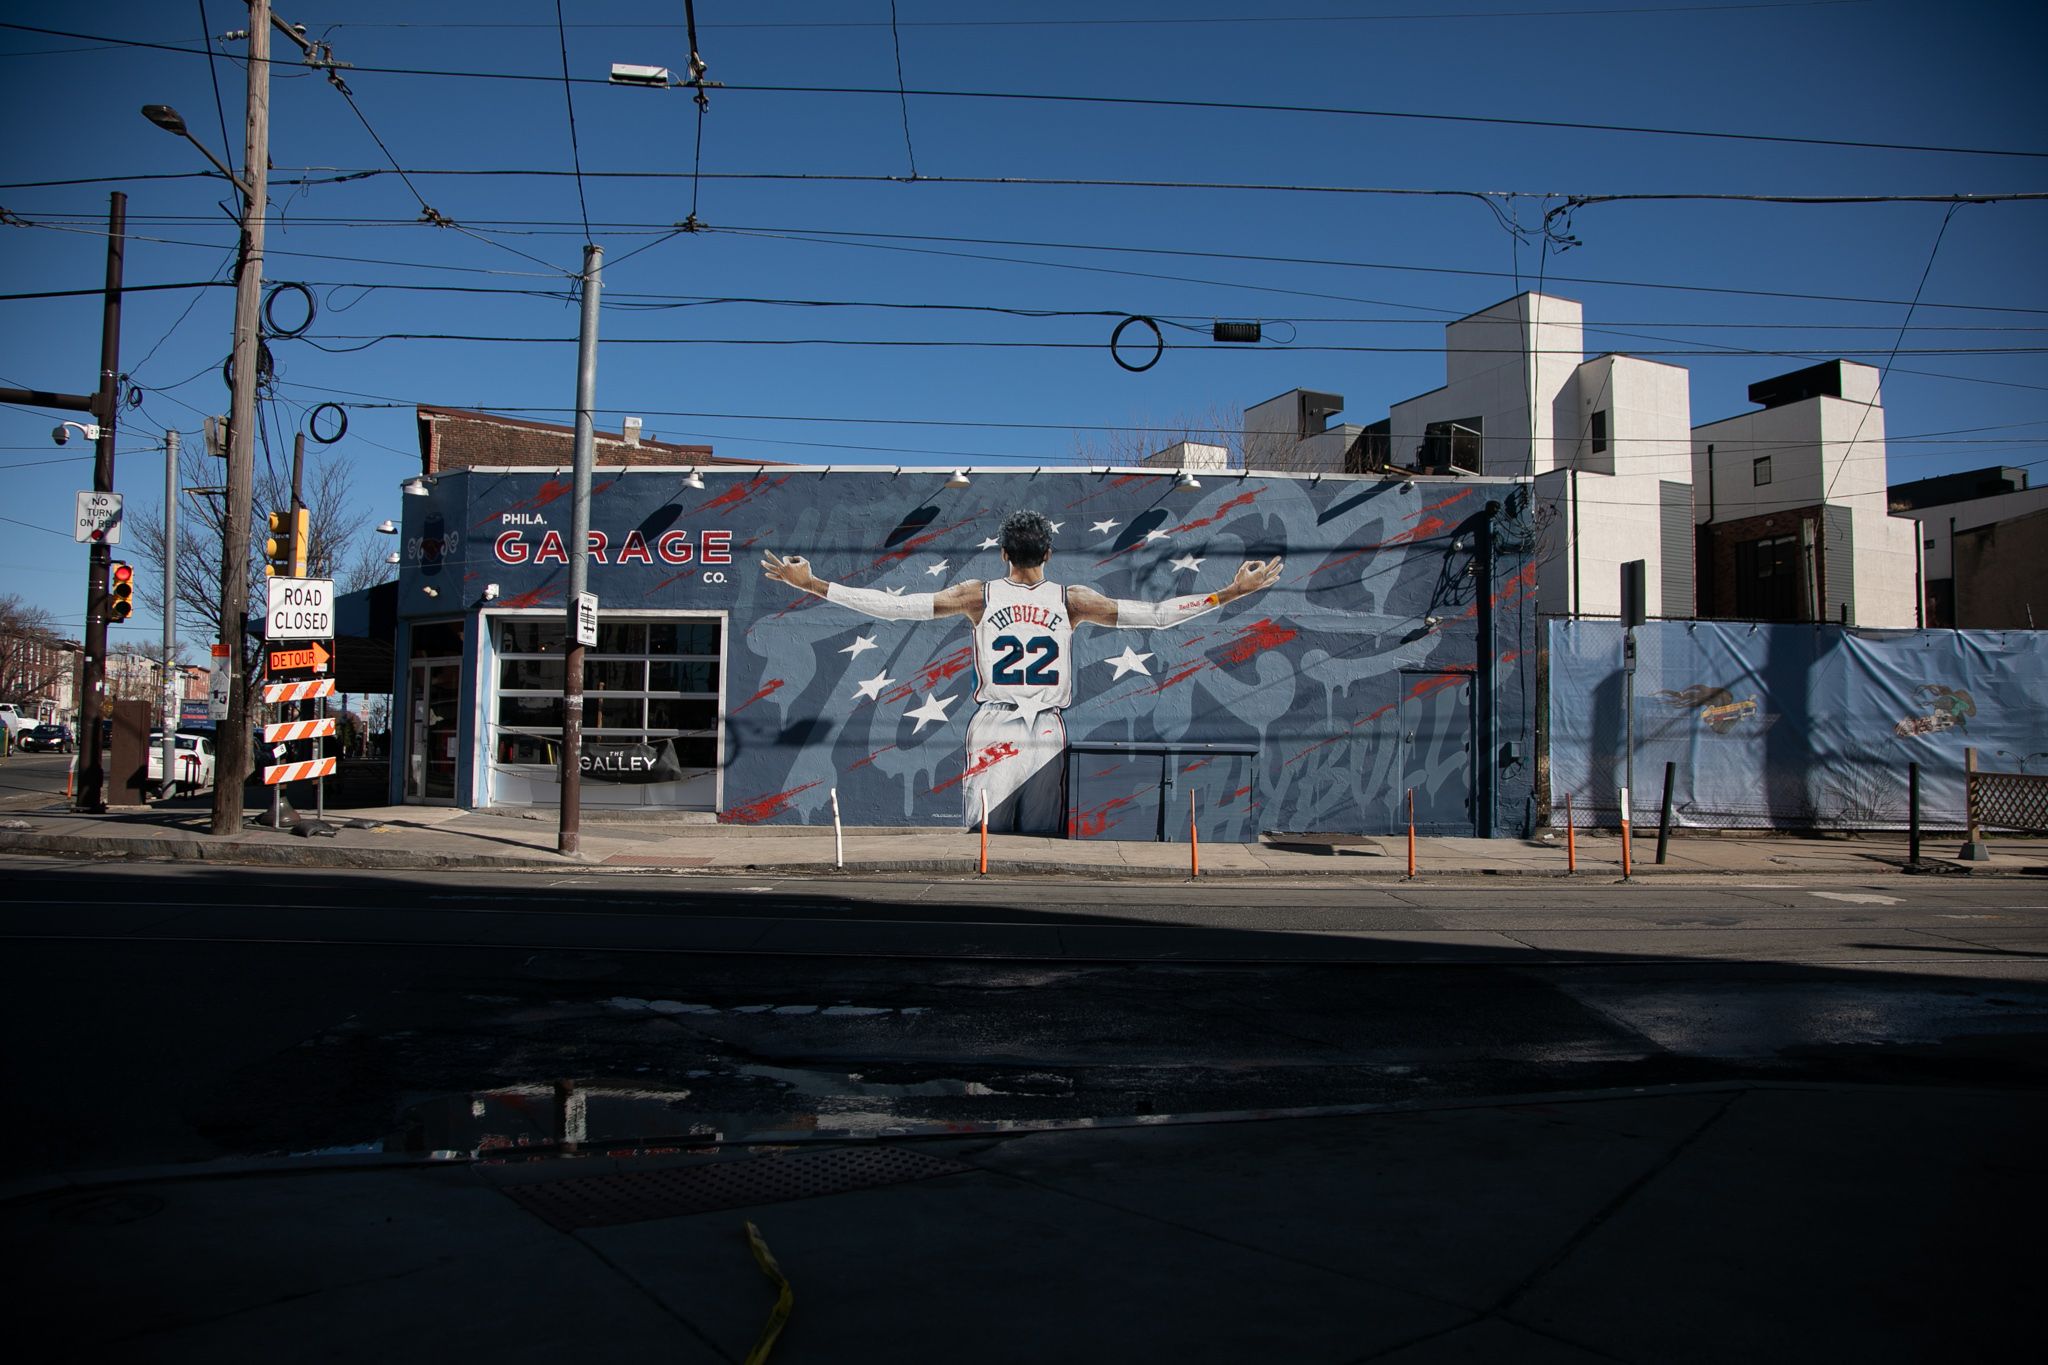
{"x":646,"y":682}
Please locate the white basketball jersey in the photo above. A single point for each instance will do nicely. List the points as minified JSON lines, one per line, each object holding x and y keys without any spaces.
{"x":1023,"y":646}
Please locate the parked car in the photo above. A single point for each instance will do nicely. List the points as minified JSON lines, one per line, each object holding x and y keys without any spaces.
{"x":193,"y":760}
{"x":48,"y":739}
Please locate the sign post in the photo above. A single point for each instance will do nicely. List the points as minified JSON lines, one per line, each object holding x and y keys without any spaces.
{"x":299,"y":627}
{"x":1634,"y":611}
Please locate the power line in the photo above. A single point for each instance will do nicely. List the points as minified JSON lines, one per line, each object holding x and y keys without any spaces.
{"x":569,"y":96}
{"x":1152,"y":102}
{"x":902,"y":99}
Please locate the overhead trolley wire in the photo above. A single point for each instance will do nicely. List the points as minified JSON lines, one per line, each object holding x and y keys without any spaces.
{"x":1149,"y":102}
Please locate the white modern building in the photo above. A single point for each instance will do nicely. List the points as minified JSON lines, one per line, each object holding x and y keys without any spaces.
{"x":1793,"y":516}
{"x":1606,"y":443}
{"x":1956,"y":514}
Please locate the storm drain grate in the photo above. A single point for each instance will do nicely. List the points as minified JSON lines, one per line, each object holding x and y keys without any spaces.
{"x":600,"y":1201}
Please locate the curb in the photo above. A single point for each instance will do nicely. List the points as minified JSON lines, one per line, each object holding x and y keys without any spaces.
{"x":307,"y":854}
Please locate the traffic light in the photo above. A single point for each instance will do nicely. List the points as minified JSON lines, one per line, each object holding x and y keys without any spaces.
{"x":120,"y":591}
{"x":302,"y":540}
{"x":278,"y":551}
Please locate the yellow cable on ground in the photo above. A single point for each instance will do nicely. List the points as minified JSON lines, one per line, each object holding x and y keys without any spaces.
{"x":784,"y":1300}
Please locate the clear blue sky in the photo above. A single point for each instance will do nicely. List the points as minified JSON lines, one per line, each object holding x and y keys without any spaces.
{"x":1655,"y":277}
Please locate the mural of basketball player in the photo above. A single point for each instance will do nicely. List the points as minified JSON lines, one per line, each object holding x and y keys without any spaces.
{"x":1023,"y":659}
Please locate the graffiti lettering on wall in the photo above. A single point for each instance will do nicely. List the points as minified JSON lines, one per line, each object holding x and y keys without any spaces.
{"x":1949,"y":708}
{"x":1719,"y":709}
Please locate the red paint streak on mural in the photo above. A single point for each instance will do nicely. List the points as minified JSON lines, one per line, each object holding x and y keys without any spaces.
{"x":732,"y":497}
{"x":983,"y":761}
{"x":1198,"y":763}
{"x":1256,"y":638}
{"x":548,"y":492}
{"x":862,"y":763}
{"x":1525,"y":581}
{"x":935,"y":673}
{"x":916,"y":543}
{"x":763,"y":808}
{"x":1105,"y":772}
{"x":774,"y":686}
{"x":532,"y":598}
{"x":1179,"y":677}
{"x":1421,"y":530}
{"x":1367,"y":720}
{"x":1086,"y":824}
{"x":1439,"y":683}
{"x":1114,"y":484}
{"x":1230,"y":505}
{"x":1329,"y":564}
{"x":1438,"y":506}
{"x":1241,"y":791}
{"x":1312,"y":748}
{"x":1197,"y":640}
{"x":1511,"y":656}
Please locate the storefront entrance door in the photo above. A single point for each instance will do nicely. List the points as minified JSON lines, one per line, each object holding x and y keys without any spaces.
{"x":430,"y":748}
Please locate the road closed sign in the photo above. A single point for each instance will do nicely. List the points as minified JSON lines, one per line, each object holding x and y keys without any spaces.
{"x":300,"y":609}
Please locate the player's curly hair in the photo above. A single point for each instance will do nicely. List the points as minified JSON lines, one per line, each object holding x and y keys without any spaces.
{"x":1026,"y":538}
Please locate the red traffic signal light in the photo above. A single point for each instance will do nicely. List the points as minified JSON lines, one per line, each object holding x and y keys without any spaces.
{"x":121,"y":591}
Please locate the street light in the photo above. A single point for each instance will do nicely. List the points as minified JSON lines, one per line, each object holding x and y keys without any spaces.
{"x":168,"y":119}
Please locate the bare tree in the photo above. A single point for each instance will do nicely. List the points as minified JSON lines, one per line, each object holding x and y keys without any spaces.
{"x":1133,"y":445}
{"x":32,"y":655}
{"x":201,"y":518}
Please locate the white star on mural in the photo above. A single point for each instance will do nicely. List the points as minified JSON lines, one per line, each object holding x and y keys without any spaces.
{"x":1056,"y":527}
{"x":896,"y":591}
{"x":938,"y":568}
{"x":1188,"y":562}
{"x":860,"y":646}
{"x":990,"y":544}
{"x":933,"y":710}
{"x":1155,"y":534}
{"x":872,"y":688}
{"x":1130,"y":661}
{"x":1104,"y":527}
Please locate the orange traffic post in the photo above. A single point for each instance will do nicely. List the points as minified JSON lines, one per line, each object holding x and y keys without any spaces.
{"x":1411,"y":834}
{"x":1194,"y":841}
{"x":1571,"y":837}
{"x":984,"y":833}
{"x":1624,"y":834}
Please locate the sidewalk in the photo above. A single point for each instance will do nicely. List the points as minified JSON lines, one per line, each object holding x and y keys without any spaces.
{"x":1692,"y":1223}
{"x":428,"y":837}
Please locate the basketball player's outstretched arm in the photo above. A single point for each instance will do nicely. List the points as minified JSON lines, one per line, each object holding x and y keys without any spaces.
{"x":1086,"y":604}
{"x":961,"y":599}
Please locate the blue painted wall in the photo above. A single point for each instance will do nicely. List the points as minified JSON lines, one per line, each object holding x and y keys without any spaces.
{"x":1325,"y":672}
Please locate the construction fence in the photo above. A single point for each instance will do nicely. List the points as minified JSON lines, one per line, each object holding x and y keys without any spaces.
{"x":1797,"y":727}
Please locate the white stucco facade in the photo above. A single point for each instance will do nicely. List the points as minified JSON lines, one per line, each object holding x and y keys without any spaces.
{"x":1605,"y":441}
{"x":1827,"y":452}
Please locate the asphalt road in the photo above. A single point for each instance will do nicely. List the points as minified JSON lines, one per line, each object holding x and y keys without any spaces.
{"x":32,"y":779}
{"x":189,"y":1012}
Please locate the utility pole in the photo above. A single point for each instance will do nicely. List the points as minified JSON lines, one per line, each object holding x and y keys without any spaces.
{"x":571,"y":835}
{"x":172,"y":693}
{"x":233,"y":747}
{"x":92,"y":767}
{"x":102,"y":404}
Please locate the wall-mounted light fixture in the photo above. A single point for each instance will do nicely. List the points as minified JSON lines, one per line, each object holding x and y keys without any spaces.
{"x":387,"y":527}
{"x":1186,"y":482}
{"x":959,"y":479}
{"x":416,"y":487}
{"x":431,"y":591}
{"x":694,"y":480}
{"x":391,"y":558}
{"x":490,"y":592}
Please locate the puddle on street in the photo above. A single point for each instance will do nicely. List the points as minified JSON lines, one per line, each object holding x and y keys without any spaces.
{"x":736,"y":1102}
